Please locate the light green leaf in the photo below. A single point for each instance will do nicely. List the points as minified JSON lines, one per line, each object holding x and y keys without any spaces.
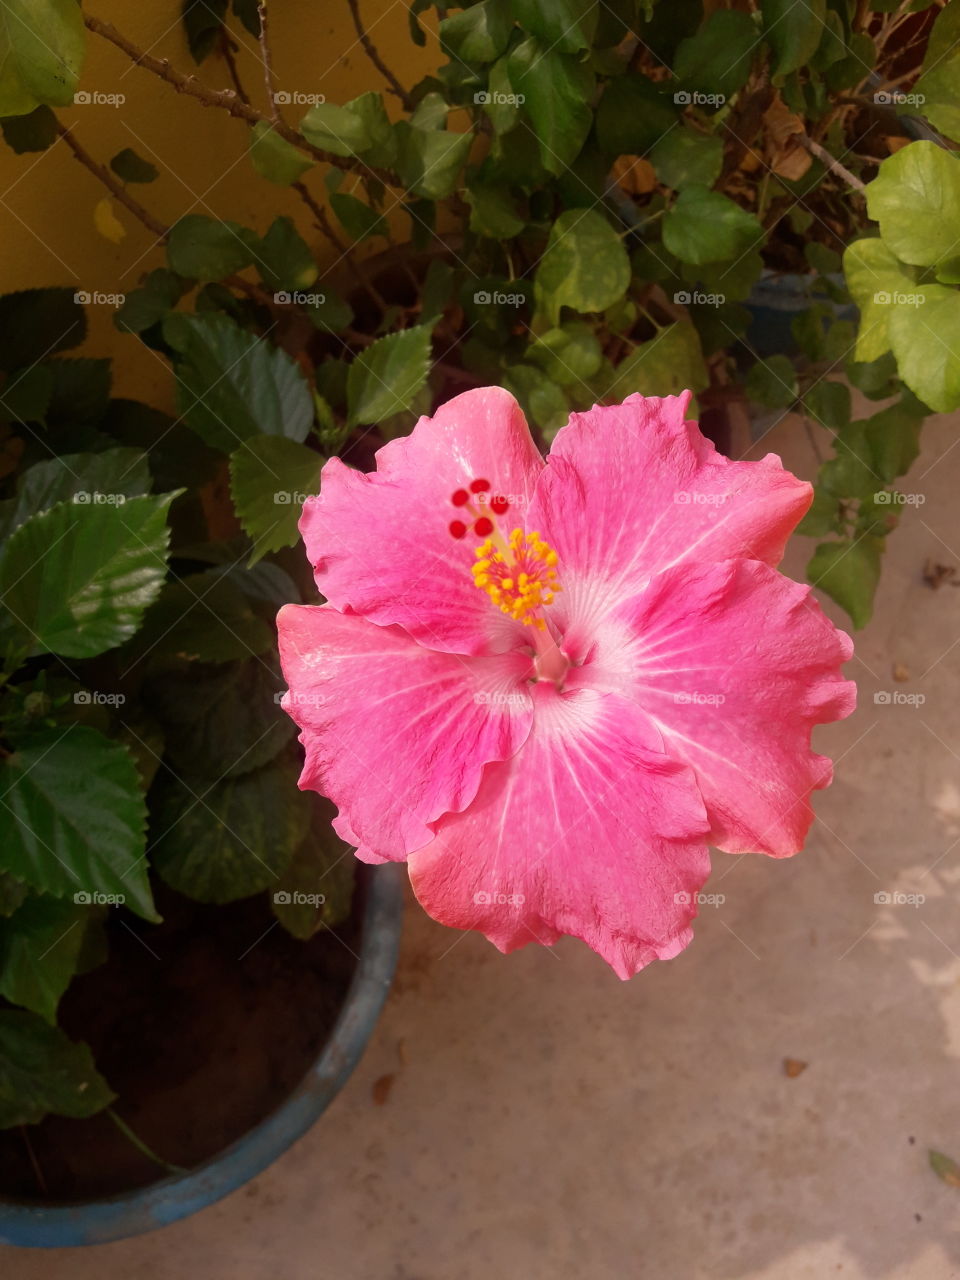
{"x":669,"y":363}
{"x":584,"y":265}
{"x":74,"y":818}
{"x":270,"y":479}
{"x":925,"y":339}
{"x":477,"y":34}
{"x":233,"y":385}
{"x":683,"y":158}
{"x":705,"y":226}
{"x":41,"y":52}
{"x":916,"y":199}
{"x":203,"y":249}
{"x":39,"y":948}
{"x":77,"y":578}
{"x":828,"y":403}
{"x":384,"y":378}
{"x":849,"y":572}
{"x":429,"y":160}
{"x":274,"y":158}
{"x":568,"y":355}
{"x":238,"y":842}
{"x":42,"y":1071}
{"x":945,"y":1167}
{"x":875,"y":278}
{"x":358,"y":127}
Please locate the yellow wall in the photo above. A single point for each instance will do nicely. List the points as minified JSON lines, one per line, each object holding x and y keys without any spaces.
{"x":47,"y":234}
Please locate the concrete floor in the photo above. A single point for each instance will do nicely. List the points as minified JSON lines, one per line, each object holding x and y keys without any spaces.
{"x":548,"y":1121}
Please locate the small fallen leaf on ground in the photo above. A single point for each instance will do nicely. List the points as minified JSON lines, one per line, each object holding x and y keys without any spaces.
{"x":901,"y":672}
{"x":935,"y":575}
{"x":381,"y":1088}
{"x":947,"y":1170}
{"x":793,"y":1067}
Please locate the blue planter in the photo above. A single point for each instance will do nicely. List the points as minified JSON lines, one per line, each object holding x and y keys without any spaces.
{"x":97,"y":1221}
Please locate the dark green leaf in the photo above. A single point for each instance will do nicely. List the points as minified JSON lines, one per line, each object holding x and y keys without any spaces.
{"x":493,"y":213}
{"x":357,"y":217}
{"x":567,"y":25}
{"x":683,"y":158}
{"x":202,"y":248}
{"x":828,"y":403}
{"x":284,"y":258}
{"x":130,"y":167}
{"x":270,"y":479}
{"x":203,"y":618}
{"x":429,"y":161}
{"x":793,"y":29}
{"x":716,"y":61}
{"x":33,"y":132}
{"x":316,"y":889}
{"x":42,"y":1071}
{"x":36,"y":323}
{"x":157,"y":296}
{"x":633,"y":115}
{"x":849,"y":572}
{"x":557,"y":88}
{"x":477,"y":34}
{"x":384,"y":378}
{"x":541,"y":399}
{"x":39,"y":949}
{"x":773,"y":383}
{"x":203,"y":22}
{"x":248,"y":12}
{"x":42,"y":486}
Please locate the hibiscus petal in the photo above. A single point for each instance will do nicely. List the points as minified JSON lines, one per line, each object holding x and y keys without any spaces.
{"x":588,"y":830}
{"x":395,"y":734}
{"x":735,"y":663}
{"x":380,"y":543}
{"x":632,"y":489}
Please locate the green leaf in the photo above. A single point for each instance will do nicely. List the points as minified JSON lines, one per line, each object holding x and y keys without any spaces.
{"x":716,"y":61}
{"x":939,"y":86}
{"x":157,"y":296}
{"x":331,"y":315}
{"x":875,"y":378}
{"x":130,"y":167}
{"x":683,"y":158}
{"x":37,"y":323}
{"x":828,"y":403}
{"x":925,"y":339}
{"x":33,"y":132}
{"x":81,"y":389}
{"x":916,"y":200}
{"x":541,"y":399}
{"x":349,"y":130}
{"x":284,"y":258}
{"x":39,"y":949}
{"x":236,"y":843}
{"x":274,"y":158}
{"x":584,"y":265}
{"x":849,"y":572}
{"x":499,"y":102}
{"x":568,"y":25}
{"x":42,"y":1071}
{"x":946,"y":1168}
{"x":233,"y":385}
{"x":203,"y":21}
{"x":358,"y":219}
{"x":203,"y":249}
{"x":874,"y":277}
{"x":493,"y":213}
{"x":270,"y":479}
{"x":74,"y":818}
{"x":477,"y":34}
{"x":705,"y":226}
{"x":557,"y":88}
{"x":669,"y":363}
{"x":41,"y":52}
{"x":633,"y":115}
{"x":204,"y":618}
{"x":42,"y":486}
{"x":793,"y":29}
{"x":27,"y":393}
{"x":568,"y":355}
{"x":773,"y":383}
{"x":12,"y":893}
{"x":893,"y":437}
{"x":77,"y":578}
{"x":316,"y":889}
{"x":429,"y":161}
{"x":384,"y":378}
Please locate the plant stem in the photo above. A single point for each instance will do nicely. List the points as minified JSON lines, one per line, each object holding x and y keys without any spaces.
{"x":142,"y":1146}
{"x":113,"y":184}
{"x":228,"y":47}
{"x":826,"y":159}
{"x":371,"y":51}
{"x":268,"y":76}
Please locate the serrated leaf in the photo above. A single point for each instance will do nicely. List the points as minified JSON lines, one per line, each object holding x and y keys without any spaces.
{"x":584,"y":265}
{"x":233,"y":385}
{"x":42,"y":486}
{"x":270,"y":479}
{"x":384,"y":378}
{"x":236,"y":843}
{"x":274,"y":158}
{"x":284,"y":258}
{"x":705,"y":226}
{"x":39,"y":949}
{"x":203,"y":249}
{"x":77,"y":578}
{"x":37,"y":323}
{"x":73,"y":818}
{"x":849,"y":572}
{"x":130,"y":167}
{"x":151,"y":302}
{"x":42,"y":44}
{"x":42,"y":1071}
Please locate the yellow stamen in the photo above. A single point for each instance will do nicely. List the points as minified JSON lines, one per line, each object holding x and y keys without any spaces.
{"x":518,"y":575}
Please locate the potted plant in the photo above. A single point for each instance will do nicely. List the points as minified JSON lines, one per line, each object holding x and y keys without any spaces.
{"x":577,"y":205}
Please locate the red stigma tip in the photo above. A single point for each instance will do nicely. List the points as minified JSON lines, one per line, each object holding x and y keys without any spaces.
{"x":458,"y":529}
{"x":460,"y":498}
{"x":479,"y":486}
{"x":483,"y":528}
{"x":499,"y":505}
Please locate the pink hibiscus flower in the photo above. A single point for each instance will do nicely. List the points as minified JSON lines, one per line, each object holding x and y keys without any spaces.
{"x":548,"y":685}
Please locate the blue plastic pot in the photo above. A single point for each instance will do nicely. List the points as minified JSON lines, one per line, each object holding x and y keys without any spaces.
{"x":97,"y":1221}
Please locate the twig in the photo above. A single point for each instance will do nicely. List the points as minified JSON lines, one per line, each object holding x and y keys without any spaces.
{"x":323,"y":222}
{"x":268,"y":76}
{"x":37,"y":1171}
{"x":227,"y":48}
{"x":370,"y":50}
{"x":829,"y":162}
{"x":113,"y":184}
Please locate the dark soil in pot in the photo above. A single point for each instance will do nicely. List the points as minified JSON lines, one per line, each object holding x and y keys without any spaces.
{"x":202,"y":1025}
